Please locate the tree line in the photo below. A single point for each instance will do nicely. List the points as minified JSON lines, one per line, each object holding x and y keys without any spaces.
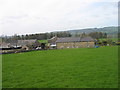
{"x":41,"y":36}
{"x":95,"y":35}
{"x":44,"y":36}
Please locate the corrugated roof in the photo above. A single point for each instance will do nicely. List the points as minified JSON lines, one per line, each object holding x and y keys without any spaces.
{"x":75,"y":39}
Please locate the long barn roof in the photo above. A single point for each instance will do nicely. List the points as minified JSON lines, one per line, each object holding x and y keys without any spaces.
{"x":75,"y":39}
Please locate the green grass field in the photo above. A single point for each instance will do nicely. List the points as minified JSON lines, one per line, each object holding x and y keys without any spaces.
{"x":113,"y":39}
{"x":69,"y":68}
{"x":43,"y":41}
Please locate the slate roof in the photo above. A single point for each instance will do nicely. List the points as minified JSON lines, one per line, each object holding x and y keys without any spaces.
{"x":87,"y":39}
{"x":75,"y":39}
{"x":18,"y":43}
{"x":68,"y":39}
{"x":26,"y":42}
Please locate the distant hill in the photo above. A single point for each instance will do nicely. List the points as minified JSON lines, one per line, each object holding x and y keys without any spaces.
{"x":113,"y":31}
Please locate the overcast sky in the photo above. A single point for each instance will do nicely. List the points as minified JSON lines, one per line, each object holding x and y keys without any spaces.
{"x":38,"y":16}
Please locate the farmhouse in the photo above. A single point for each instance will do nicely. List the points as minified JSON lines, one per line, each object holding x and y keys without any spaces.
{"x":28,"y":44}
{"x":75,"y":42}
{"x":52,"y":42}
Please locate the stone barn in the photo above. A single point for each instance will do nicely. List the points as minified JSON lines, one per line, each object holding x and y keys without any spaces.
{"x":28,"y":44}
{"x":75,"y":42}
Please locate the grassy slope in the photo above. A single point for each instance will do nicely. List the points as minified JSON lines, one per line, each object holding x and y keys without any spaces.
{"x":43,"y":41}
{"x":113,"y":39}
{"x":74,"y":68}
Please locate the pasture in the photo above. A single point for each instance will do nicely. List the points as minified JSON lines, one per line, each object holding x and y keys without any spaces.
{"x":112,"y":39}
{"x":43,"y":41}
{"x":69,"y":68}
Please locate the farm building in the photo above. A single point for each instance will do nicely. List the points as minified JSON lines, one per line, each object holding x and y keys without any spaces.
{"x":52,"y":40}
{"x":28,"y":44}
{"x":24,"y":44}
{"x":4,"y":45}
{"x":18,"y":46}
{"x":7,"y":46}
{"x":75,"y":42}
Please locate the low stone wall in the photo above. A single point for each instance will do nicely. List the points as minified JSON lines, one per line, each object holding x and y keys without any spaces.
{"x":10,"y":51}
{"x":17,"y":51}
